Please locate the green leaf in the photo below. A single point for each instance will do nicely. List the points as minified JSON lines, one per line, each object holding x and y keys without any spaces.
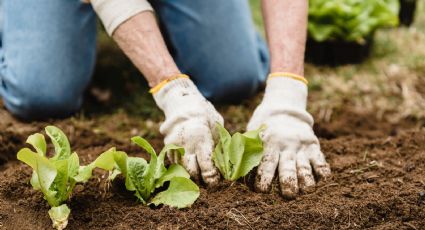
{"x":181,"y":193}
{"x":174,"y":170}
{"x":28,"y":157}
{"x":59,"y":216}
{"x":84,"y":173}
{"x":255,"y":134}
{"x":42,"y":166}
{"x":218,"y":159}
{"x":106,"y":160}
{"x":144,"y":144}
{"x":113,"y":161}
{"x":235,"y":156}
{"x":60,"y":141}
{"x":46,"y":173}
{"x":221,"y":152}
{"x":38,"y":142}
{"x":60,"y":183}
{"x":34,"y":181}
{"x":73,"y":165}
{"x":253,"y":153}
{"x":237,"y":147}
{"x":146,"y":184}
{"x":136,"y":172}
{"x":160,"y":168}
{"x":121,"y":161}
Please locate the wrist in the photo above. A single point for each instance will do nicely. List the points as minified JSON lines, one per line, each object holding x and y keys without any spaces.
{"x":163,"y":75}
{"x":276,"y":66}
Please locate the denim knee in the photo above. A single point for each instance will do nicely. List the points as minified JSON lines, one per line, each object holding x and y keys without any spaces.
{"x":30,"y":99}
{"x":234,"y":84}
{"x":47,"y":57}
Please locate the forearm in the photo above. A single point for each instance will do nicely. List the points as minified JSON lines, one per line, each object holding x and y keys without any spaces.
{"x":286,"y":29}
{"x":141,"y":40}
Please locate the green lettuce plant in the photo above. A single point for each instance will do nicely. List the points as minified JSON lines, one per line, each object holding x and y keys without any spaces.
{"x":235,"y":156}
{"x":350,"y":20}
{"x":55,"y":177}
{"x":144,"y":178}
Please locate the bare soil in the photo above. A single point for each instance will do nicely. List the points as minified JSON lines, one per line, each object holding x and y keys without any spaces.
{"x":378,"y":182}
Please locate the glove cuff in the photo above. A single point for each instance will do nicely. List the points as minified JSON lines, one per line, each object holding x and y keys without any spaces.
{"x":176,"y":94}
{"x":286,"y":93}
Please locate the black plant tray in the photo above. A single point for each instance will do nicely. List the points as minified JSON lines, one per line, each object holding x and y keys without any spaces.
{"x":334,"y":53}
{"x":407,"y":12}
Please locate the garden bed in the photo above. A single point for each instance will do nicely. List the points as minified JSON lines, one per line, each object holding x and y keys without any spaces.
{"x":378,"y":181}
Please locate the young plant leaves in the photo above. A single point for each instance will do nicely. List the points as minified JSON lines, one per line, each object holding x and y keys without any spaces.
{"x":55,"y":177}
{"x":143,"y":177}
{"x":60,"y":141}
{"x":235,"y":156}
{"x":182,"y":191}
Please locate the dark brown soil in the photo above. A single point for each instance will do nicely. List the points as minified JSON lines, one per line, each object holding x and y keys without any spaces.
{"x":378,"y":183}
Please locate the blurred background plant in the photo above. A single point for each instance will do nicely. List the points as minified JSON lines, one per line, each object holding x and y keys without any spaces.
{"x":350,"y":20}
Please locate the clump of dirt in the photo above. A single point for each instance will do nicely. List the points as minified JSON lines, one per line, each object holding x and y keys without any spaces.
{"x":378,"y":182}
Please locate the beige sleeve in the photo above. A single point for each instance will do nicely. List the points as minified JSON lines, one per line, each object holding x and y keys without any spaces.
{"x":114,"y":12}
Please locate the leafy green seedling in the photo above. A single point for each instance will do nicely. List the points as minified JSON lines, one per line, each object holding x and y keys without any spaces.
{"x":143,"y":177}
{"x":235,"y":156}
{"x":55,"y":177}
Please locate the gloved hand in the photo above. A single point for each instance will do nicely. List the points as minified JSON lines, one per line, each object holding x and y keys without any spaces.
{"x":289,"y":140}
{"x":190,"y":121}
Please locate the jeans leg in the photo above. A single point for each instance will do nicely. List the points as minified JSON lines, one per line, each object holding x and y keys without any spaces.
{"x":49,"y":49}
{"x":215,"y":42}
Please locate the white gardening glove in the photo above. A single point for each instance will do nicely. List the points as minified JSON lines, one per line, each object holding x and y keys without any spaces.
{"x":190,"y":121}
{"x":289,"y":140}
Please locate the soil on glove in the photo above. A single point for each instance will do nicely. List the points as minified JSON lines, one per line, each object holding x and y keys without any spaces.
{"x":378,"y":182}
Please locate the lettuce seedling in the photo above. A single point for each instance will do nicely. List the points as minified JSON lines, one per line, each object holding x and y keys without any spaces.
{"x":143,"y":177}
{"x":235,"y":156}
{"x":56,"y":176}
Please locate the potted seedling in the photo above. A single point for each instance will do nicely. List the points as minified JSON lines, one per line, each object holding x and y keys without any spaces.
{"x":55,"y":177}
{"x":342,"y":31}
{"x":407,"y":12}
{"x":236,"y":155}
{"x":144,"y":178}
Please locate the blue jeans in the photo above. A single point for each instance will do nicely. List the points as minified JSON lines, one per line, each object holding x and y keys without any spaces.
{"x":49,"y":49}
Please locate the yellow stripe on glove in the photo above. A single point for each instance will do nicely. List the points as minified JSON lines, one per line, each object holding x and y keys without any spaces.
{"x":289,"y":75}
{"x":158,"y":87}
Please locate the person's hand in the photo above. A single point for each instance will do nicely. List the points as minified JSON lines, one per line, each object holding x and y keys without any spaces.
{"x":289,"y":141}
{"x":190,"y":122}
